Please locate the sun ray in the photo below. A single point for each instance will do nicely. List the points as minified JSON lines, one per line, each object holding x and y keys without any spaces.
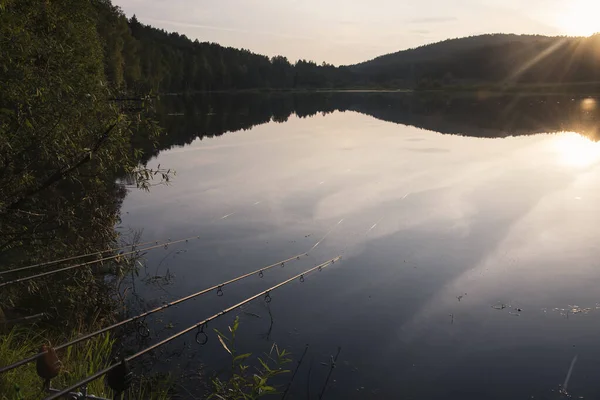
{"x":534,"y":60}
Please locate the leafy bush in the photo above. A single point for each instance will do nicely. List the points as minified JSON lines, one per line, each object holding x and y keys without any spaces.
{"x":244,"y":383}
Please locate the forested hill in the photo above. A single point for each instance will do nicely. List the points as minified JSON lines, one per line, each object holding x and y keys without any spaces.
{"x":498,"y":59}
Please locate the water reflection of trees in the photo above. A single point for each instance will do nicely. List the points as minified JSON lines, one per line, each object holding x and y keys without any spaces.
{"x":188,"y":118}
{"x":185,"y":119}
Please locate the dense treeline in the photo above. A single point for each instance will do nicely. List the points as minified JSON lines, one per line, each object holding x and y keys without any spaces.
{"x":172,"y":63}
{"x":141,"y":57}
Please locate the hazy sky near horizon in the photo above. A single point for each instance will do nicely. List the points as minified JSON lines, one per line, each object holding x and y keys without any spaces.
{"x":351,"y":31}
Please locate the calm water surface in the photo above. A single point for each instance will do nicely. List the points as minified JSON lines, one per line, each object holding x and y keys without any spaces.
{"x":470,"y":264}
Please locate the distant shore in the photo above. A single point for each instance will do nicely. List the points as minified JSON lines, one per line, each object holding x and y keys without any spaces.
{"x":580,"y":89}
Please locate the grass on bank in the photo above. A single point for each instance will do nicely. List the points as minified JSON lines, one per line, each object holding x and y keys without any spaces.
{"x":78,"y":361}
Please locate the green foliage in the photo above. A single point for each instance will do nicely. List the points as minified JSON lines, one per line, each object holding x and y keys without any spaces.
{"x":65,"y":139}
{"x":66,"y":132}
{"x":244,"y":382}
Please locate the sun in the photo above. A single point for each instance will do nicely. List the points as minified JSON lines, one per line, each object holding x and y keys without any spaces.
{"x":580,"y":18}
{"x":575,"y":150}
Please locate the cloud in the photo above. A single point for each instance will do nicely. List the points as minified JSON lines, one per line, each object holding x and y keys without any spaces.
{"x":225,"y":29}
{"x":348,"y":22}
{"x":432,"y":20}
{"x":331,"y":40}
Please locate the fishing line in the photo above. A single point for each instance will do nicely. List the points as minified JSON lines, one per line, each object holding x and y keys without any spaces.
{"x":133,"y":245}
{"x":327,"y":234}
{"x":381,"y":219}
{"x":235,"y":212}
{"x":74,"y":257}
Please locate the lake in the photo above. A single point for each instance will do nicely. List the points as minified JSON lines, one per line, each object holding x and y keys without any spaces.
{"x":466,"y":225}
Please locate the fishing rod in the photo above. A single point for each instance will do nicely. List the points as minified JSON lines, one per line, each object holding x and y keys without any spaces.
{"x":198,"y":325}
{"x":55,"y":271}
{"x":46,"y":263}
{"x":133,"y":245}
{"x":116,"y":256}
{"x":218,"y":287}
{"x":157,"y":309}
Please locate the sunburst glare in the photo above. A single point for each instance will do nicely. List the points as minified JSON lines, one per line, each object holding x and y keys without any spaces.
{"x":580,"y":18}
{"x":576,"y":150}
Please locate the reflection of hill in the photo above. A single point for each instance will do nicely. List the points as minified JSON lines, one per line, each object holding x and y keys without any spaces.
{"x":189,"y":118}
{"x":495,"y":116}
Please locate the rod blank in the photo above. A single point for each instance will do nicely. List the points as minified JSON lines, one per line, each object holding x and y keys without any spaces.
{"x":47,"y":263}
{"x":55,"y":271}
{"x":145,"y":314}
{"x":189,"y":329}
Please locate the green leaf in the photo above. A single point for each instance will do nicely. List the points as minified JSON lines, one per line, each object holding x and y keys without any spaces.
{"x":242,"y":357}
{"x":236,"y":324}
{"x":265,"y":366}
{"x":223,"y":344}
{"x":221,"y":335}
{"x":283,"y":371}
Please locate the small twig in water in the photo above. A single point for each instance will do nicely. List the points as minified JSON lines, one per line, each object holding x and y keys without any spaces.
{"x":333,"y":363}
{"x":267,"y":335}
{"x":294,"y":374}
{"x":161,"y":261}
{"x":308,"y":379}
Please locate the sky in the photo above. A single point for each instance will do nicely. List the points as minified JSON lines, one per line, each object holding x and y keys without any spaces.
{"x":345,"y":32}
